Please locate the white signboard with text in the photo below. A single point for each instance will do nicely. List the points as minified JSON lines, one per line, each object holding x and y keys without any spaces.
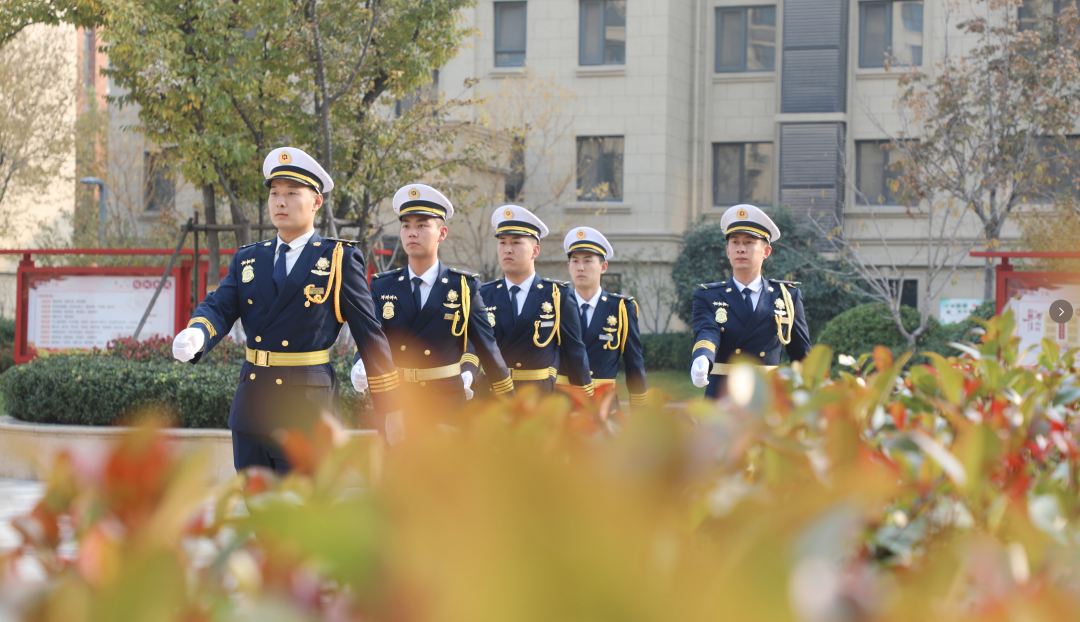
{"x":83,"y":312}
{"x":1031,"y":307}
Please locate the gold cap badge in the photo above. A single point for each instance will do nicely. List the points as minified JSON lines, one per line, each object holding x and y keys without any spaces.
{"x":581,"y":234}
{"x":742,"y":214}
{"x":509,"y":213}
{"x":414,"y":193}
{"x":284,"y":157}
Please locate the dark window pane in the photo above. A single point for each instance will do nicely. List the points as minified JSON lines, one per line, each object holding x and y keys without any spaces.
{"x":761,"y":47}
{"x":600,"y":168}
{"x":727,"y":174}
{"x":909,"y":293}
{"x":870,"y":171}
{"x":159,"y":185}
{"x":907,"y":32}
{"x":614,"y":32}
{"x":874,"y":34}
{"x":757,"y":182}
{"x":730,"y":43}
{"x":611,"y":282}
{"x":591,"y":23}
{"x":515,"y":179}
{"x":509,"y":34}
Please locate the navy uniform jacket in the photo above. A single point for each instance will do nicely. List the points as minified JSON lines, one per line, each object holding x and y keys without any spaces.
{"x":271,"y":397}
{"x":614,"y":332}
{"x":735,"y":332}
{"x":423,"y":339}
{"x":536,"y":323}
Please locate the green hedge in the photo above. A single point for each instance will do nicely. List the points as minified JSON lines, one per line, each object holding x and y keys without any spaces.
{"x":667,"y":350}
{"x":89,"y":389}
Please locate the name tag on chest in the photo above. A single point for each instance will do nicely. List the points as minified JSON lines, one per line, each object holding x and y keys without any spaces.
{"x":448,"y":316}
{"x":546,"y":324}
{"x":316,"y":291}
{"x":605,"y":337}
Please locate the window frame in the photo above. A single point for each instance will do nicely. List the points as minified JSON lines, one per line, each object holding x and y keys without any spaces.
{"x":601,"y":33}
{"x":581,"y":196}
{"x":742,"y":170}
{"x":889,"y":201}
{"x":863,"y":62}
{"x":156,"y":166}
{"x":498,"y":6}
{"x":744,"y":38}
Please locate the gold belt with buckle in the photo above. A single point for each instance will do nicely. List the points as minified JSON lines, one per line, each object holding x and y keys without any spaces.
{"x":595,"y":381}
{"x":723,"y":369}
{"x":531,"y":374}
{"x":431,"y":373}
{"x":263,"y":358}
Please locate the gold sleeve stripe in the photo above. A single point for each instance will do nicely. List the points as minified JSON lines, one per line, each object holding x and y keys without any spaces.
{"x":637,"y":400}
{"x":383,"y":377}
{"x":383,"y":389}
{"x":708,"y":345}
{"x":470,"y":358}
{"x":205,"y":322}
{"x":504,"y":382}
{"x":553,"y":372}
{"x":503,"y":389}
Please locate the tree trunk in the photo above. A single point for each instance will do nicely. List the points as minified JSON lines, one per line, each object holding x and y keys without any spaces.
{"x":212,"y":242}
{"x":991,"y":232}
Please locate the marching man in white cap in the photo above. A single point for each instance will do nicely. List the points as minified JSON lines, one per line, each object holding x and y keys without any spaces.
{"x":535,"y":320}
{"x":609,"y":321}
{"x":749,"y":317}
{"x":293,"y":294}
{"x":432,"y":315}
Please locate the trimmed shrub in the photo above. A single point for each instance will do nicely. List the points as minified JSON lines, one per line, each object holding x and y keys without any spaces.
{"x":856,"y":331}
{"x":667,"y":350}
{"x":116,"y":386}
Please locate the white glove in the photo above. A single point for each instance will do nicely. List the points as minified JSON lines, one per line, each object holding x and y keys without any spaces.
{"x":395,"y":428}
{"x":466,"y":379}
{"x":358,"y":375}
{"x":187,"y":344}
{"x":699,"y":371}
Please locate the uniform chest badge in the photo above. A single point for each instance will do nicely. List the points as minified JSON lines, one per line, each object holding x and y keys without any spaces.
{"x":779,"y":303}
{"x":546,"y":310}
{"x":721,"y":315}
{"x":611,"y":320}
{"x":321,"y":267}
{"x":388,"y":311}
{"x":452,"y":300}
{"x":248,"y":275}
{"x":491,"y":316}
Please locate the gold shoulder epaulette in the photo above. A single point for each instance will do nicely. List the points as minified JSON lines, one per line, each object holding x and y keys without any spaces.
{"x":558,"y":282}
{"x":712,"y":285}
{"x":382,"y":274}
{"x":472,"y":275}
{"x":239,"y":248}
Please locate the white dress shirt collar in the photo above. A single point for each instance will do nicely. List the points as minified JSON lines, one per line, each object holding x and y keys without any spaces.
{"x":592,"y":301}
{"x":428,"y":277}
{"x":755,"y":285}
{"x":524,"y":285}
{"x":296,"y":244}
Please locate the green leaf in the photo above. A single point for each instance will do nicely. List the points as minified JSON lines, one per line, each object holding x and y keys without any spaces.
{"x":950,"y":379}
{"x":815,"y":367}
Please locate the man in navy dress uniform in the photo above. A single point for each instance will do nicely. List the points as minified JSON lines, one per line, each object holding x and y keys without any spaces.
{"x":293,"y":294}
{"x":609,"y":321}
{"x":536,"y":322}
{"x":748,"y":317}
{"x":432,"y":314}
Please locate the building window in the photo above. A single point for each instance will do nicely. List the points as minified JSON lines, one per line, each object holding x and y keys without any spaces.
{"x":611,"y":283}
{"x":603,"y":32}
{"x":909,"y":294}
{"x":746,"y":39}
{"x":1061,"y":166}
{"x":890,"y":31}
{"x":1034,"y":14}
{"x":875,"y":172}
{"x":509,"y":34}
{"x":160,"y":184}
{"x":515,"y":178}
{"x":742,"y":173}
{"x":428,"y":93}
{"x":600,"y":168}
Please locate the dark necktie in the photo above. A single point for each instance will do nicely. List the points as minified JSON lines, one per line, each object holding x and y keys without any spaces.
{"x":749,"y":302}
{"x":584,"y":316}
{"x":279,"y":268}
{"x":416,"y":281}
{"x":513,"y":301}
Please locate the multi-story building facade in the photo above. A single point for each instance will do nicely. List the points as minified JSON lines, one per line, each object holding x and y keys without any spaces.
{"x":691,"y":106}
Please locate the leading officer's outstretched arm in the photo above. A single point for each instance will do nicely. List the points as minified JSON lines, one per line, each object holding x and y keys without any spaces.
{"x":216,"y":315}
{"x":800,"y":345}
{"x":371,"y":343}
{"x":706,"y":334}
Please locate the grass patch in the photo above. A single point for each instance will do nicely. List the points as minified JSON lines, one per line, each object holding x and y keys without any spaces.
{"x":673,"y":383}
